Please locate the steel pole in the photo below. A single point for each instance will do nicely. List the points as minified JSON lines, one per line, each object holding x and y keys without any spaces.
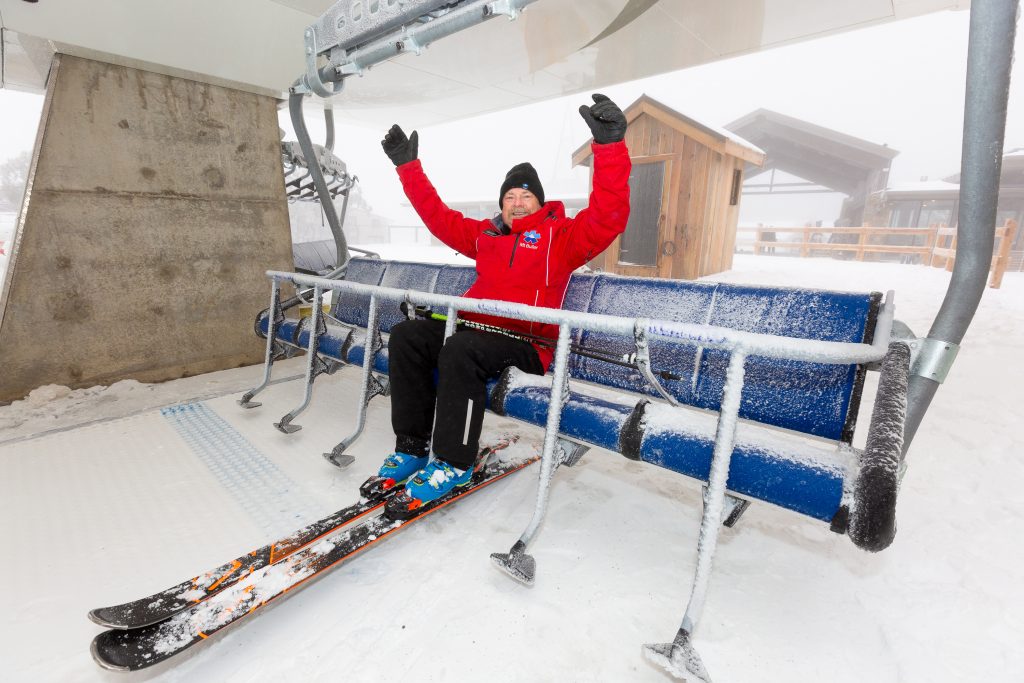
{"x":989,"y":60}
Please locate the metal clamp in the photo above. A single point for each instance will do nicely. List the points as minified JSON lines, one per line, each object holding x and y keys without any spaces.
{"x":507,"y":7}
{"x":934,"y":358}
{"x":642,"y":357}
{"x":311,"y":80}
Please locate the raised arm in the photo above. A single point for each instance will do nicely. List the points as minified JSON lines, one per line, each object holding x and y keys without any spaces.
{"x":607,"y":212}
{"x":449,"y":226}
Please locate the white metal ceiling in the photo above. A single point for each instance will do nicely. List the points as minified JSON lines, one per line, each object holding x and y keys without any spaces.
{"x":257,"y":45}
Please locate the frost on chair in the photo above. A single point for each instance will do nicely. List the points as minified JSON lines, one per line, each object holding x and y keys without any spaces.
{"x":298,"y":181}
{"x":754,"y":391}
{"x":342,"y":335}
{"x":762,"y":358}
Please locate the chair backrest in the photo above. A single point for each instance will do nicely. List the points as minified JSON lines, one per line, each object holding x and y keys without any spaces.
{"x":354,"y":308}
{"x":455,"y":280}
{"x":811,"y":398}
{"x":421,"y":277}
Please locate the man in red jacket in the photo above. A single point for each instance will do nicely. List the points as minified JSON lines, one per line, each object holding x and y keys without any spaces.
{"x":525,"y":255}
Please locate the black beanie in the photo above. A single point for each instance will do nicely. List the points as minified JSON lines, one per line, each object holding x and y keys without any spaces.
{"x":522,"y":175}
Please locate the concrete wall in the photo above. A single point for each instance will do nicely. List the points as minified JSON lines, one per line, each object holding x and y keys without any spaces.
{"x":154,"y":206}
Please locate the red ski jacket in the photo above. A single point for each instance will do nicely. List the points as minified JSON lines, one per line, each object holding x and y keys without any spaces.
{"x":530,"y":264}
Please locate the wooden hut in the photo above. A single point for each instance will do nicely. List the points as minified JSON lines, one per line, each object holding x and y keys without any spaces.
{"x":684,"y":195}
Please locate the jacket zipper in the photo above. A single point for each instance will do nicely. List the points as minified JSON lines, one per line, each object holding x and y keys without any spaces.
{"x":515,"y":245}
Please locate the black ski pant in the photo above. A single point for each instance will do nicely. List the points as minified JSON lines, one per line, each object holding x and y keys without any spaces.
{"x":455,"y":406}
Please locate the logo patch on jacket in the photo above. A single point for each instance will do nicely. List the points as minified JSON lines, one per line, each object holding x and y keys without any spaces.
{"x":530,"y":239}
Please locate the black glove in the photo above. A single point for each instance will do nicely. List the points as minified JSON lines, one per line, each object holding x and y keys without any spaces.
{"x":399,"y":148}
{"x":606,"y":120}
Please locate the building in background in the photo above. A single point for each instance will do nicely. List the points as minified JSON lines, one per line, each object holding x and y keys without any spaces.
{"x":936,"y":203}
{"x":814,"y":160}
{"x":685,"y":190}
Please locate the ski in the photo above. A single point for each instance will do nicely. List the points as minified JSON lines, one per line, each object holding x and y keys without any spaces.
{"x":165,"y":604}
{"x":155,"y":608}
{"x":133,"y":649}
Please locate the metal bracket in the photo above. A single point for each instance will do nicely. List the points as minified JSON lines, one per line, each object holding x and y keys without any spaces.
{"x":934,"y":358}
{"x":408,"y":43}
{"x":570,"y":452}
{"x":401,"y":27}
{"x":311,"y":80}
{"x":643,"y":360}
{"x":733,"y":507}
{"x":507,"y":7}
{"x":929,"y":358}
{"x":380,"y":385}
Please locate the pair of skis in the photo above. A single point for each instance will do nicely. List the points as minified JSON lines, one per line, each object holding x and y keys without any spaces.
{"x":150,"y":630}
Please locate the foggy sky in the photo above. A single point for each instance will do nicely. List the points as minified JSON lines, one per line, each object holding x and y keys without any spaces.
{"x":900,"y":84}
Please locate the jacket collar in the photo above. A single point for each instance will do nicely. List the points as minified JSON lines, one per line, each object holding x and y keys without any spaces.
{"x":549,"y":210}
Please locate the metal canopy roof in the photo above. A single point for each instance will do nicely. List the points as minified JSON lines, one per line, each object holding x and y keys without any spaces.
{"x":836,"y":160}
{"x":556,"y":48}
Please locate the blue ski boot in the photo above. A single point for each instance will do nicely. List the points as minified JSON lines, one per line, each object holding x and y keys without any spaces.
{"x":396,"y":469}
{"x":435,"y":480}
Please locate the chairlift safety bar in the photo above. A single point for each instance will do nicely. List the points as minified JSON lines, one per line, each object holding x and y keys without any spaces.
{"x":814,"y":351}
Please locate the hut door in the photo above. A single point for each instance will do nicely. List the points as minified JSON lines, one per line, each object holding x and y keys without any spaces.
{"x":638,"y":250}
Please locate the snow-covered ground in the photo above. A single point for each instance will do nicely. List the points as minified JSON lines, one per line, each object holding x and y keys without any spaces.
{"x":103,"y":500}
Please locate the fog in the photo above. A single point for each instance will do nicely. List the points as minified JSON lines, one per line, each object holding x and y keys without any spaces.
{"x":900,"y":84}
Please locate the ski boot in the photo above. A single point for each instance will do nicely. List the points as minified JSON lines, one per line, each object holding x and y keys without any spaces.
{"x":397,"y":468}
{"x":405,"y":504}
{"x":430,"y":484}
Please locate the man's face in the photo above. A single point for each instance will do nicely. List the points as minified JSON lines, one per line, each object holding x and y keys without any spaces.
{"x":517,"y":203}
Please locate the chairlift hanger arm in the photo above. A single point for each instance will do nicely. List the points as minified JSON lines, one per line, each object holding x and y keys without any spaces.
{"x":353,"y":37}
{"x":989,"y":61}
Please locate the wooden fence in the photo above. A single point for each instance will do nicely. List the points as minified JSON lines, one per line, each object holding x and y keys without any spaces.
{"x":935,"y":246}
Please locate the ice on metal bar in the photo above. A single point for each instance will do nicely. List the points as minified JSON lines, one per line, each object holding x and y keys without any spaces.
{"x":349,"y":24}
{"x":707,"y":335}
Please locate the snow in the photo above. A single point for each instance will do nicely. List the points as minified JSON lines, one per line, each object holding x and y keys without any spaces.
{"x":103,"y":501}
{"x":925,"y":186}
{"x":440,"y":476}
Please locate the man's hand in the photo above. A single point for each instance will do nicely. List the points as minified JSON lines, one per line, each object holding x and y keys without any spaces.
{"x":399,"y":148}
{"x":606,"y":120}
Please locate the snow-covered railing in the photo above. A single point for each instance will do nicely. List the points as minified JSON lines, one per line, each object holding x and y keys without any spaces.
{"x":790,"y":348}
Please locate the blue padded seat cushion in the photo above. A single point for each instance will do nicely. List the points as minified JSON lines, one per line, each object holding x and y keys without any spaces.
{"x":357,"y":351}
{"x":586,"y":418}
{"x":766,"y":464}
{"x":287,"y":331}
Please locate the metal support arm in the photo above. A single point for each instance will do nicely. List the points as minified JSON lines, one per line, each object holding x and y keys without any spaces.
{"x":354,"y":40}
{"x":989,"y":59}
{"x":517,"y":563}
